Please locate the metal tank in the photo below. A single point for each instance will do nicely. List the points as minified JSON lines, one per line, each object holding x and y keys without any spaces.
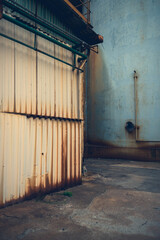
{"x":123,"y":114}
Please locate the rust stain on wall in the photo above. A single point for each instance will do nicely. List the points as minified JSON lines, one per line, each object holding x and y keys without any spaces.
{"x":38,"y":156}
{"x":139,"y":154}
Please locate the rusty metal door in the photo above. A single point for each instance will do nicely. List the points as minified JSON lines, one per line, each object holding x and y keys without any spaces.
{"x":147,"y":99}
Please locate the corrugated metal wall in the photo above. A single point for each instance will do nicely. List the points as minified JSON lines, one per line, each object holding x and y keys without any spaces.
{"x":39,"y":153}
{"x":34,"y":83}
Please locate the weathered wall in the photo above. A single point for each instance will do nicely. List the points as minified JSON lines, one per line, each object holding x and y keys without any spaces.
{"x":131,"y":42}
{"x":41,"y":114}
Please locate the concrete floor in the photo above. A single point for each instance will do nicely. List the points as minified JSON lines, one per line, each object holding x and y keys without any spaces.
{"x":117,"y":200}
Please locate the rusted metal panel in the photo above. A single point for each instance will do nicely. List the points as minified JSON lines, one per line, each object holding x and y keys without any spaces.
{"x":37,"y":155}
{"x":25,"y":74}
{"x":7,"y":68}
{"x":45,"y":80}
{"x":57,"y":83}
{"x":34,"y":83}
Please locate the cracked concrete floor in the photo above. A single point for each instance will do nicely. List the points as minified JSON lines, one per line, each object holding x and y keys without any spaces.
{"x":117,"y":200}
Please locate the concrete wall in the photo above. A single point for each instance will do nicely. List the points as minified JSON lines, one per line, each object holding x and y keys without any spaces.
{"x":131,"y":42}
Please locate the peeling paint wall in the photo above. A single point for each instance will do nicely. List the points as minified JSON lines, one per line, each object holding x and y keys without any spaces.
{"x":131,"y":42}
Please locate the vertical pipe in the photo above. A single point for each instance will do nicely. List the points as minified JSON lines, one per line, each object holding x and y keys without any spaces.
{"x":136,"y":102}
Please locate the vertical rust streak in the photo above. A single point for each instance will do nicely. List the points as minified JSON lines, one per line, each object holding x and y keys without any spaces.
{"x":71,"y":130}
{"x":63,"y":153}
{"x":75,"y":152}
{"x":58,"y":152}
{"x":81,"y":147}
{"x":34,"y":164}
{"x":51,"y":172}
{"x":46,"y":153}
{"x":41,"y":156}
{"x":2,"y":122}
{"x":57,"y":157}
{"x":66,"y":153}
{"x":79,"y":167}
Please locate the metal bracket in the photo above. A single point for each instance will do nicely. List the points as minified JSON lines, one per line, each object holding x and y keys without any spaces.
{"x":82,"y":64}
{"x":94,"y":48}
{"x":135,"y":75}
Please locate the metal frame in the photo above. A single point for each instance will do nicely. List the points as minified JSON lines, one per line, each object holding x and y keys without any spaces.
{"x":25,"y":12}
{"x":43,"y":35}
{"x":94,"y":49}
{"x":87,"y":8}
{"x":30,"y":29}
{"x":34,"y":48}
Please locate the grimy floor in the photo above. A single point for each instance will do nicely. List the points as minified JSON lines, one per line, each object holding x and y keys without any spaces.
{"x":117,"y":200}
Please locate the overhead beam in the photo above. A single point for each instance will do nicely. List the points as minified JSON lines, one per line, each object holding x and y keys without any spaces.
{"x":76,"y":10}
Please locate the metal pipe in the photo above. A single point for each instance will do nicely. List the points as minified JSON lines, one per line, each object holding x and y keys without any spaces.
{"x":30,"y":29}
{"x":35,"y":19}
{"x":33,"y":48}
{"x":135,"y":102}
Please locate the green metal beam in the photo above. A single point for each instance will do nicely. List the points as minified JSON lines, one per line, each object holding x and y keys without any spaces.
{"x":33,"y":48}
{"x":38,"y":21}
{"x":30,"y":29}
